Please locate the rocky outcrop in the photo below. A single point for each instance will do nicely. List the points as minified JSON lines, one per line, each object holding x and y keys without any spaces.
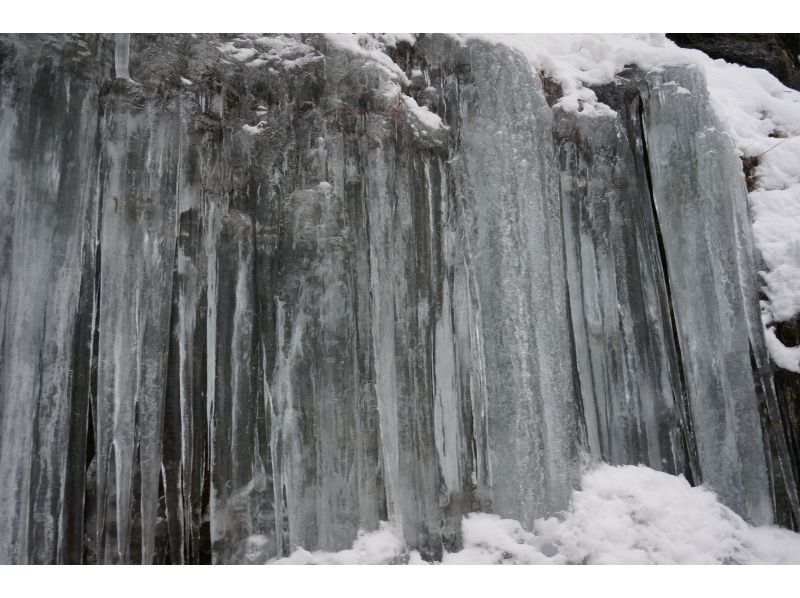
{"x":778,"y":53}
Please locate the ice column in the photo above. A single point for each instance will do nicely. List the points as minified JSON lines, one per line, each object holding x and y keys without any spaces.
{"x":514,"y":218}
{"x":122,"y":46}
{"x":629,"y":372}
{"x":697,"y":184}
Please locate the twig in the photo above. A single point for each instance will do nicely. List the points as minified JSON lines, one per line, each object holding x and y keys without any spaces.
{"x":770,"y":149}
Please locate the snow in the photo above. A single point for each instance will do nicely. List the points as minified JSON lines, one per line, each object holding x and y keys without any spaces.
{"x":366,"y":46}
{"x":240,"y":54}
{"x":776,"y":207}
{"x":254,"y":130}
{"x":422,"y":114}
{"x":621,"y":515}
{"x":392,"y":39}
{"x":787,"y":358}
{"x":325,"y":187}
{"x":381,"y":547}
{"x":284,"y":51}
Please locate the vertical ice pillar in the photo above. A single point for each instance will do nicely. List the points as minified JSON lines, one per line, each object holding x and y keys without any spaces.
{"x":514,"y":218}
{"x":397,"y":202}
{"x":699,"y":193}
{"x":239,"y":490}
{"x":140,"y":157}
{"x":48,"y":175}
{"x":629,"y":372}
{"x":349,"y":157}
{"x":380,"y":230}
{"x":185,"y":424}
{"x":422,"y":434}
{"x":122,"y":49}
{"x":314,"y":386}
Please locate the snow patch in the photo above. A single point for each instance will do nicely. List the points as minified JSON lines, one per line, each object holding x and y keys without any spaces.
{"x":381,"y":547}
{"x":370,"y":48}
{"x":421,"y":116}
{"x":392,"y":39}
{"x":282,"y":51}
{"x":785,"y":357}
{"x":427,"y":118}
{"x":255,"y":130}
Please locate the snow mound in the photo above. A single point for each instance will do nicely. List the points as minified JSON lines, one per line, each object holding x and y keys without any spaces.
{"x":381,"y":547}
{"x":636,"y":515}
{"x":622,"y":515}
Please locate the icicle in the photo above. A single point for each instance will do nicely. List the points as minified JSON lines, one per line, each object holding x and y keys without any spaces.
{"x":121,"y":53}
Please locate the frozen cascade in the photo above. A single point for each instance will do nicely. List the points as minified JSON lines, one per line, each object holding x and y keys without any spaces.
{"x":627,"y":363}
{"x":122,"y":48}
{"x":340,"y":280}
{"x":513,"y":206}
{"x":702,"y":208}
{"x":48,"y":175}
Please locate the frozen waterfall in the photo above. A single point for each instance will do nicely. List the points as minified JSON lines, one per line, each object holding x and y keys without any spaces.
{"x":263,"y":292}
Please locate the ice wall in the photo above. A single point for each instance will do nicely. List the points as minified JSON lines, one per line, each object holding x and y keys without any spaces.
{"x":702,"y":210}
{"x":513,"y":208}
{"x":629,"y":369}
{"x":49,"y":181}
{"x":260,"y":292}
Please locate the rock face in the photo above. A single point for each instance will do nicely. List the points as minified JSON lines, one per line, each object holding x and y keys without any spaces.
{"x":259,"y":292}
{"x":778,"y":53}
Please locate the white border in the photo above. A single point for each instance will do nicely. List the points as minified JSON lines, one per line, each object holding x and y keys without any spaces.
{"x":557,"y":16}
{"x":385,"y":582}
{"x":400,"y":582}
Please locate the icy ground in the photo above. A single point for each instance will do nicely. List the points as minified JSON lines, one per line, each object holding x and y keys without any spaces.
{"x":628,"y":515}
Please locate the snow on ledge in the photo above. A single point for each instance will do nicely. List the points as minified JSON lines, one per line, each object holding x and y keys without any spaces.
{"x":254,"y":129}
{"x":787,"y":358}
{"x":422,"y":114}
{"x":365,"y":46}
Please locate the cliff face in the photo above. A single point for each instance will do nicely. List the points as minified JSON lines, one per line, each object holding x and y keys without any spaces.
{"x":260,"y":292}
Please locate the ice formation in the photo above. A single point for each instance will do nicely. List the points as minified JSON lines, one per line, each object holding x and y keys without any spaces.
{"x":276,"y":291}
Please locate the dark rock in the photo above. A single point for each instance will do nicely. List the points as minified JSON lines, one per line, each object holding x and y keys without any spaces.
{"x":774,"y":52}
